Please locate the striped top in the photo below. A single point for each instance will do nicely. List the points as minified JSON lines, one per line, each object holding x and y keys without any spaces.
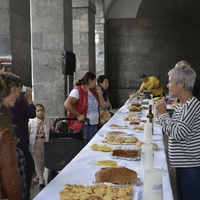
{"x":183,"y":130}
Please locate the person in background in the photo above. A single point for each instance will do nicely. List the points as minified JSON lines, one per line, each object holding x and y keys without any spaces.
{"x":9,"y":175}
{"x":183,"y":130}
{"x":103,"y":82}
{"x":196,"y":88}
{"x":21,"y":166}
{"x":9,"y":95}
{"x":39,"y":128}
{"x":8,"y":69}
{"x":84,"y":101}
{"x":62,"y":127}
{"x":152,"y":84}
{"x":22,"y":112}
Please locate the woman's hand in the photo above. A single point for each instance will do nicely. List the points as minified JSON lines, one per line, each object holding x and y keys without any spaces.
{"x":98,"y":88}
{"x":160,"y":107}
{"x":107,"y":105}
{"x":28,"y":94}
{"x":81,"y":118}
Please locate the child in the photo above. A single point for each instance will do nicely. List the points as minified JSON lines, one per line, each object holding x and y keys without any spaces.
{"x":39,"y":133}
{"x":62,"y":127}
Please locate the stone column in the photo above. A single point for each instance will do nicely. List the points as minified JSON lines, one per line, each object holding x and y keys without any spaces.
{"x":15,"y":36}
{"x":84,"y":36}
{"x":100,"y":37}
{"x":51,"y":28}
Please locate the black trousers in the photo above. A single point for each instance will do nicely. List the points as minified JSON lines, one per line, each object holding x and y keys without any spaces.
{"x":163,"y":94}
{"x":29,"y":166}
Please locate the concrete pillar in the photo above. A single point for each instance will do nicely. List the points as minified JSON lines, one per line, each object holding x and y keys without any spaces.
{"x":15,"y":36}
{"x":84,"y":36}
{"x":100,"y":37}
{"x":51,"y":28}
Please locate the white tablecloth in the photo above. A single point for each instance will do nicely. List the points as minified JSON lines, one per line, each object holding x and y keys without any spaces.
{"x":82,"y":169}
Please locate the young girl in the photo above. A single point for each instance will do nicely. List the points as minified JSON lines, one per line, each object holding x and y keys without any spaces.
{"x":39,"y":133}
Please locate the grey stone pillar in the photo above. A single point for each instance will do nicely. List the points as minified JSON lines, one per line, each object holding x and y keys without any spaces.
{"x":84,"y":36}
{"x":100,"y":37}
{"x":51,"y":27}
{"x":15,"y":36}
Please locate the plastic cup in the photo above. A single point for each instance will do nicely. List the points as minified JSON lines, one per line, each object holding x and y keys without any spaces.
{"x":147,"y":157}
{"x":153,"y":188}
{"x":148,"y":131}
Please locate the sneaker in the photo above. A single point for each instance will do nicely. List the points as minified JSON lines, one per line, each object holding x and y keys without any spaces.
{"x":36,"y":180}
{"x":41,"y":183}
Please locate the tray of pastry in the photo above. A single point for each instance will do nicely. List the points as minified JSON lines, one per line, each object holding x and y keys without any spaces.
{"x":120,"y":140}
{"x":139,"y":128}
{"x":140,"y":143}
{"x":116,"y":133}
{"x":98,"y":191}
{"x":115,"y":126}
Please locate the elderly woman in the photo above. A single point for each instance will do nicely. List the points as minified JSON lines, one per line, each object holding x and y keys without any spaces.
{"x":183,"y":130}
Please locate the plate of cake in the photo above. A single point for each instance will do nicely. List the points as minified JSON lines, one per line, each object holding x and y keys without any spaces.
{"x":126,"y":153}
{"x":117,"y":175}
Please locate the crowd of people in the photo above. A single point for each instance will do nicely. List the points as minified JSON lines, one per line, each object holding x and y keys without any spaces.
{"x":24,"y":127}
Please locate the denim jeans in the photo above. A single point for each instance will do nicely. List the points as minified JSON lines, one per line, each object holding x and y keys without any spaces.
{"x":93,"y":129}
{"x":188,"y":183}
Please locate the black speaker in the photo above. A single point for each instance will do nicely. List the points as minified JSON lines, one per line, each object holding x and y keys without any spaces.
{"x":68,"y":63}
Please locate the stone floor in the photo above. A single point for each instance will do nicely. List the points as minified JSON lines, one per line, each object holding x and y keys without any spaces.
{"x":35,"y":190}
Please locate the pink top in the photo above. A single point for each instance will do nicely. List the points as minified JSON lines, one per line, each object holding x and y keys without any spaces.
{"x":41,"y":132}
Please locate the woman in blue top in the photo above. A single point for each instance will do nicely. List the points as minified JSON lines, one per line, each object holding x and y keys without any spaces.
{"x":103,"y":82}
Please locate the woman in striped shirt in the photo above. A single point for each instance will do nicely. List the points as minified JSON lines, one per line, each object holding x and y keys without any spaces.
{"x":183,"y":130}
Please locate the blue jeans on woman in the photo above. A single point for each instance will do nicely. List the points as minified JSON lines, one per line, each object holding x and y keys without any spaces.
{"x":93,"y":129}
{"x":188,"y":183}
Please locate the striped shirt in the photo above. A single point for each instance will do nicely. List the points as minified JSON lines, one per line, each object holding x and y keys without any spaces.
{"x":183,"y":130}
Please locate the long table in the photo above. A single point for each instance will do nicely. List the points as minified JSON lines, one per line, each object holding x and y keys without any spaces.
{"x":82,"y":169}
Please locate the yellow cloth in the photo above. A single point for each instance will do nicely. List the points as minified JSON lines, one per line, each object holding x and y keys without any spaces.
{"x":2,"y":70}
{"x":152,"y":81}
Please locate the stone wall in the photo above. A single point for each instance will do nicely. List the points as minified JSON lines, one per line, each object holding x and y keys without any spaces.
{"x":100,"y":37}
{"x":163,"y":33}
{"x":51,"y":34}
{"x":84,"y":36}
{"x":15,"y":36}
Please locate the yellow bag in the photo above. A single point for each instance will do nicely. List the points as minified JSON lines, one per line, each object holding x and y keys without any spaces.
{"x":104,"y":116}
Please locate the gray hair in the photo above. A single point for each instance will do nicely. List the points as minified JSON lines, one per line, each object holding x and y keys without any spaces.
{"x":185,"y":73}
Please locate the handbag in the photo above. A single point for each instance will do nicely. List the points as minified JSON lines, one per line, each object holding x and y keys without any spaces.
{"x":104,"y":116}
